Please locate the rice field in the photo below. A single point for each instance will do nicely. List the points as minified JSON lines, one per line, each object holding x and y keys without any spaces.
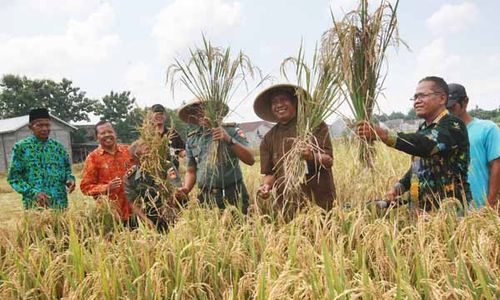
{"x":349,"y":253}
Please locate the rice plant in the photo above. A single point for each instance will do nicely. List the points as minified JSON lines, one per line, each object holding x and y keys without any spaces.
{"x":318,"y":98}
{"x":158,"y":164}
{"x":360,"y":41}
{"x":347,"y":253}
{"x":213,"y":75}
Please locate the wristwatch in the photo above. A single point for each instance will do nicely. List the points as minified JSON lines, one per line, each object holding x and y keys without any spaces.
{"x":231,"y":142}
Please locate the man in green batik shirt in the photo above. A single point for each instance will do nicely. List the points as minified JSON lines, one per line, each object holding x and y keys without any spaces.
{"x":40,"y":169}
{"x":223,"y":182}
{"x":439,"y":149}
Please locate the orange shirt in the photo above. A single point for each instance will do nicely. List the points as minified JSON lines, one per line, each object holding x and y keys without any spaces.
{"x":100,"y":168}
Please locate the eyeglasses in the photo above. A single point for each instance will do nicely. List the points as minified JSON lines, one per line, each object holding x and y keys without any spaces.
{"x":423,"y":96}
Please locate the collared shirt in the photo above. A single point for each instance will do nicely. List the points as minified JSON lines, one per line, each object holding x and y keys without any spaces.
{"x":227,"y":170}
{"x":100,"y":168}
{"x":40,"y":166}
{"x":440,"y":160}
{"x":277,"y":142}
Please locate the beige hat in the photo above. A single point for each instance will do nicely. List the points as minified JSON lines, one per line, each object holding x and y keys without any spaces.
{"x":187,"y":113}
{"x":262,"y":104}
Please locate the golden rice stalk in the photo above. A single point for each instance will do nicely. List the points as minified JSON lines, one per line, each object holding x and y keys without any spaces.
{"x":213,"y":76}
{"x":359,"y":42}
{"x":318,"y":100}
{"x":158,"y":163}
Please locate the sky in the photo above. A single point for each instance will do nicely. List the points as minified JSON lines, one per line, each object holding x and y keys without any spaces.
{"x":127,"y":45}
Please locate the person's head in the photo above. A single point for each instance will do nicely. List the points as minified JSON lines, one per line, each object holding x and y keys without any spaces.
{"x":431,"y":96}
{"x":194,"y":112}
{"x":160,"y":115}
{"x":138,"y":150}
{"x":283,"y":105}
{"x":105,"y":134}
{"x":278,"y":103}
{"x":457,"y":99}
{"x":39,"y":123}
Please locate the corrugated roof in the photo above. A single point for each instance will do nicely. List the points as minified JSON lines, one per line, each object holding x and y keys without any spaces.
{"x":13,"y":124}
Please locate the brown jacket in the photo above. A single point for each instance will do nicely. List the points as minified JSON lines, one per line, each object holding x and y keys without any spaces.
{"x":277,"y":142}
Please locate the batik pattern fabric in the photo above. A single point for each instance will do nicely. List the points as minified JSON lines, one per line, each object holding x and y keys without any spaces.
{"x":40,"y":166}
{"x":440,"y":161}
{"x":100,"y":168}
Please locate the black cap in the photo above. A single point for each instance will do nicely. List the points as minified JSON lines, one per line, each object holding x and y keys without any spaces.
{"x":39,"y":113}
{"x":158,"y":108}
{"x":457,"y":93}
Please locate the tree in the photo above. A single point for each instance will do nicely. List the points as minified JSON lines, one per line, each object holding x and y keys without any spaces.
{"x":18,"y":95}
{"x":412,"y":115}
{"x":118,"y":109}
{"x":396,"y":115}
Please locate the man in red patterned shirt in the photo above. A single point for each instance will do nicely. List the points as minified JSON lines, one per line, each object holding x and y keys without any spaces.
{"x":104,"y":170}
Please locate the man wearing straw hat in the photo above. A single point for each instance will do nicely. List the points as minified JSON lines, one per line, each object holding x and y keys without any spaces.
{"x":40,"y":169}
{"x":222,"y":182}
{"x":278,"y":104}
{"x":439,"y":149}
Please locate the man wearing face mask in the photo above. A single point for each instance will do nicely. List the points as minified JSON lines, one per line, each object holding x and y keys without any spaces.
{"x":224,"y":182}
{"x":40,"y":169}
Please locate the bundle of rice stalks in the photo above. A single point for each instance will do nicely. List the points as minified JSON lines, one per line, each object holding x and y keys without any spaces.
{"x":360,"y":41}
{"x":318,"y":98}
{"x":213,"y":76}
{"x":158,"y":164}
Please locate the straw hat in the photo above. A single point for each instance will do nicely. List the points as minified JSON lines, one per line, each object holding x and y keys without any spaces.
{"x":262,"y":104}
{"x":187,"y":113}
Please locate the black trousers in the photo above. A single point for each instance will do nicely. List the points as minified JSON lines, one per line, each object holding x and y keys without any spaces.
{"x":235,"y":194}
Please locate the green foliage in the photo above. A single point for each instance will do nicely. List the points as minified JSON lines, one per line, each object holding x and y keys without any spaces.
{"x":18,"y":95}
{"x":479,"y":113}
{"x":118,"y":108}
{"x":79,"y":136}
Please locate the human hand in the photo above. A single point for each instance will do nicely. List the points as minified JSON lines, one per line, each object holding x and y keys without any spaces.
{"x":114,"y":184}
{"x":220,"y":134}
{"x":391,"y":195}
{"x":264,"y":191}
{"x":42,"y":200}
{"x":183,"y":190}
{"x":70,"y":184}
{"x":367,"y":131}
{"x":493,"y":201}
{"x":307,"y":153}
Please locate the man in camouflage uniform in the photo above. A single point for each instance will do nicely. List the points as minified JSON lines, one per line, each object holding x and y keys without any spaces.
{"x":439,"y":149}
{"x":144,"y":194}
{"x":173,"y":140}
{"x":223,"y":182}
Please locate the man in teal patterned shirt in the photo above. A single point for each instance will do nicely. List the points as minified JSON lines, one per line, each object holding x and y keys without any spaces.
{"x":40,"y":169}
{"x":439,"y":149}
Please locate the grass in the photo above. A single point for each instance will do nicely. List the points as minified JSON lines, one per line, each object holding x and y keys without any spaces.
{"x":349,"y":253}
